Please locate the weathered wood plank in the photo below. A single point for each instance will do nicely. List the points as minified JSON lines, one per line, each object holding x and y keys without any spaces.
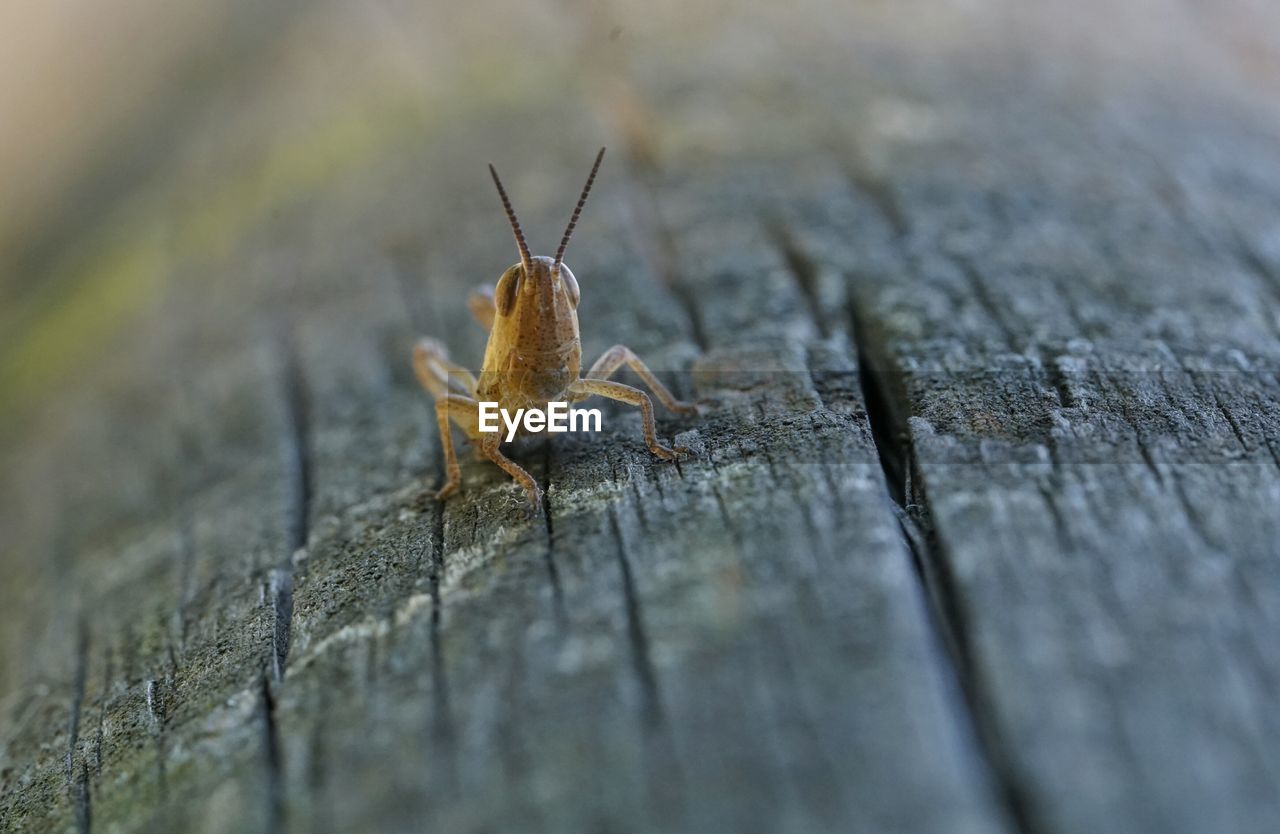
{"x":652,"y":653}
{"x":1037,"y":314}
{"x":1080,"y":381}
{"x":607,"y":594}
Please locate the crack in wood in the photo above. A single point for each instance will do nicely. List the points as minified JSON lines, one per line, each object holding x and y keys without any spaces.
{"x":884,"y":393}
{"x":273,"y":765}
{"x":186,"y":573}
{"x":77,"y":699}
{"x":102,"y":713}
{"x":1058,"y":379}
{"x":155,"y":695}
{"x":298,"y":471}
{"x":651,"y":711}
{"x":440,"y":720}
{"x":874,"y":188}
{"x":1207,"y":388}
{"x":802,"y":268}
{"x":982,"y":294}
{"x":891,"y":450}
{"x":83,"y":799}
{"x":297,"y":447}
{"x":553,"y":572}
{"x":1262,"y":407}
{"x":318,"y":766}
{"x":281,"y":588}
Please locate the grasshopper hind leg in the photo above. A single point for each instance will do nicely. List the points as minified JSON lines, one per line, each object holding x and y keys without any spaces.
{"x":463,"y":411}
{"x":482,"y":306}
{"x":453,"y":387}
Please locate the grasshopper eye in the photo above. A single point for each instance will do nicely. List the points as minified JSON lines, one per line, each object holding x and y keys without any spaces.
{"x":570,"y":283}
{"x":504,"y":297}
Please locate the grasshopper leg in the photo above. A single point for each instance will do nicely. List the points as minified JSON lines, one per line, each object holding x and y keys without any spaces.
{"x":619,"y":355}
{"x":453,"y":387}
{"x":463,"y":411}
{"x":482,"y":306}
{"x":437,"y":373}
{"x":489,"y":448}
{"x":625,"y":393}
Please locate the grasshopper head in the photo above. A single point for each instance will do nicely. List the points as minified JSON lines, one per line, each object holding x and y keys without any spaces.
{"x":540,"y":284}
{"x":545,"y":282}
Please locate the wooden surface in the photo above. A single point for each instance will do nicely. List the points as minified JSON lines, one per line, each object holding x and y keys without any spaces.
{"x":980,"y":535}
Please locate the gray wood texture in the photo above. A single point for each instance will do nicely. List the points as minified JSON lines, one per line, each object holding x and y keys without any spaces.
{"x":979,"y":535}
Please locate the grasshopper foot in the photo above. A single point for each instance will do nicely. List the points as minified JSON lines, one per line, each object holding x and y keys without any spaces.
{"x":448,"y":489}
{"x":533,"y":504}
{"x":667,"y":453}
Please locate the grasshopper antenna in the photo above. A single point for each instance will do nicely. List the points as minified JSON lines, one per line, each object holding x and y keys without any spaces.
{"x":525,"y":260}
{"x":573,"y":221}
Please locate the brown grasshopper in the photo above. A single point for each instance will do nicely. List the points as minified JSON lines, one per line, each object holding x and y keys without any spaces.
{"x":533,"y":357}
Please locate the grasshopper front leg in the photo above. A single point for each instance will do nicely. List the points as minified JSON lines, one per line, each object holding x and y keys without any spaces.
{"x":464,"y":411}
{"x":488,"y":446}
{"x":619,"y":355}
{"x":454,"y":387}
{"x":625,"y":393}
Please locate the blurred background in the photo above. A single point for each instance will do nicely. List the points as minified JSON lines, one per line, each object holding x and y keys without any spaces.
{"x":138,"y":135}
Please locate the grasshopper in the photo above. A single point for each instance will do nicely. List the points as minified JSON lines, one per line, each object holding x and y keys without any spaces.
{"x":533,"y":357}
